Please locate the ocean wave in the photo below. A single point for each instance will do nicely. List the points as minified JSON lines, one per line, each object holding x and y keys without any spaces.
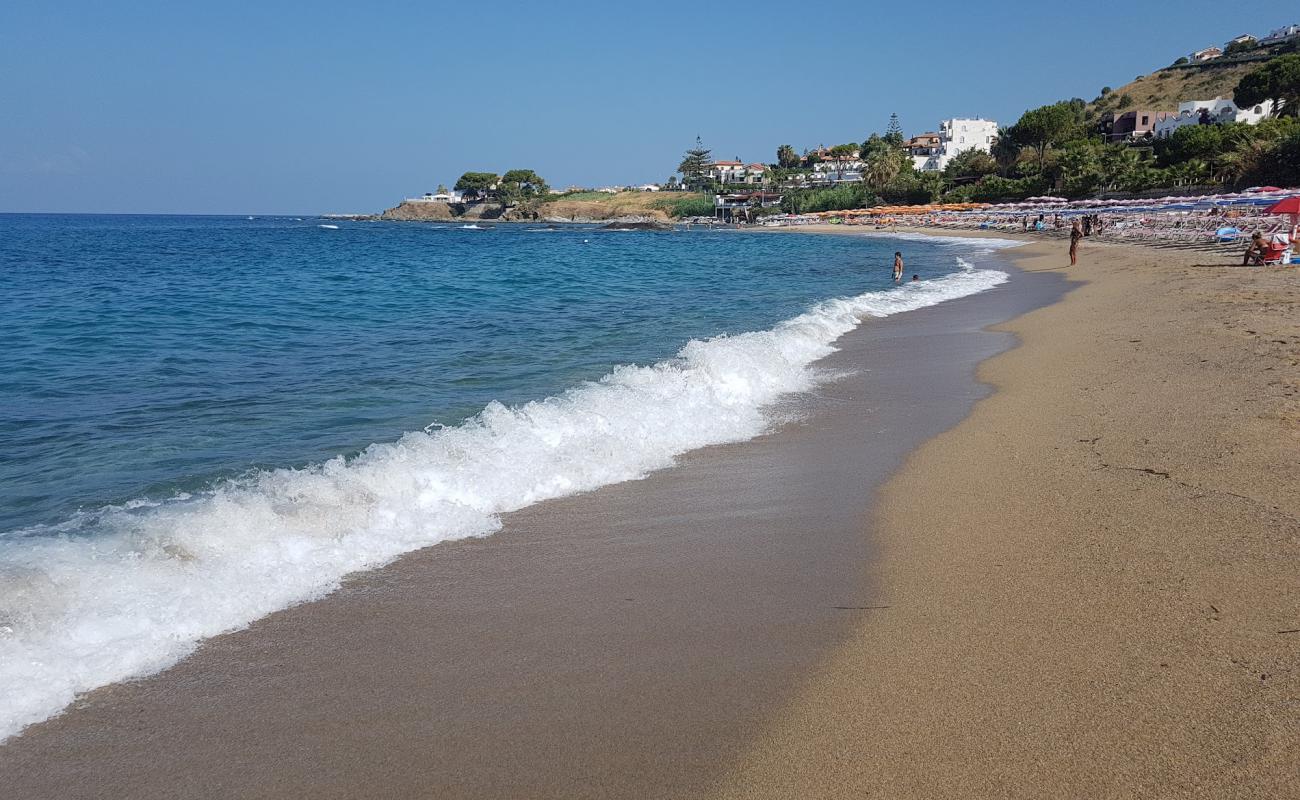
{"x":129,"y":590}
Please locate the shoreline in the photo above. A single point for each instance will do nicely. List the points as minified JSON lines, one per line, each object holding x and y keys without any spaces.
{"x":630,"y":637}
{"x":1075,"y":576}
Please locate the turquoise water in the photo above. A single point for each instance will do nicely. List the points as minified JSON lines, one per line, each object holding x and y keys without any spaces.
{"x":149,"y":355}
{"x":205,"y":420}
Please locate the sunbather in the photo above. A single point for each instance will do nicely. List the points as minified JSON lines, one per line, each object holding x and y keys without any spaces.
{"x":1255,"y":251}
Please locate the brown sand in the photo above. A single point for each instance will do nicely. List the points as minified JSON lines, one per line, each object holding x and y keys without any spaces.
{"x":1094,"y":581}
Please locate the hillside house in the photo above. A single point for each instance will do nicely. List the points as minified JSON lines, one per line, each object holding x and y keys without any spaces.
{"x":1208,"y":54}
{"x":926,"y":144}
{"x":1211,"y":112}
{"x":955,"y":136}
{"x":1131,"y":126}
{"x":1283,"y":34}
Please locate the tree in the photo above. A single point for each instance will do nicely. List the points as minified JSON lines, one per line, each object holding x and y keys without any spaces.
{"x":1117,"y":161}
{"x":1277,"y":80}
{"x":894,"y":133}
{"x":1047,"y":126}
{"x":477,"y":184}
{"x":931,"y":185}
{"x":1234,"y":48}
{"x":970,"y":164}
{"x":521,"y":184}
{"x":884,"y":165}
{"x":1124,"y":101}
{"x":873,"y":146}
{"x":695,"y":165}
{"x":442,"y":189}
{"x":1203,"y":142}
{"x":1006,"y":150}
{"x":1181,"y":60}
{"x":786,"y":157}
{"x":1079,"y":169}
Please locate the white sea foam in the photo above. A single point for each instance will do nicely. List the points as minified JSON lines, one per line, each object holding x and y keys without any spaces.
{"x":127,"y":591}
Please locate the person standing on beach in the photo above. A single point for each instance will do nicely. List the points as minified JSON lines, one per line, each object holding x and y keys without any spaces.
{"x":898,"y":267}
{"x":1076,"y":233}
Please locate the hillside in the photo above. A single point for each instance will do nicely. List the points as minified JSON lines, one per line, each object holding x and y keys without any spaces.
{"x":1164,"y":89}
{"x":601,"y":206}
{"x":576,"y":207}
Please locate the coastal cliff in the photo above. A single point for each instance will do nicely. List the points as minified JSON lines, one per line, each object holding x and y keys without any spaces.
{"x":629,"y":207}
{"x":421,"y":211}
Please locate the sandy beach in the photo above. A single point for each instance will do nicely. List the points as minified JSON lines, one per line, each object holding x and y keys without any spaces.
{"x":1093,"y":582}
{"x":1067,"y":568}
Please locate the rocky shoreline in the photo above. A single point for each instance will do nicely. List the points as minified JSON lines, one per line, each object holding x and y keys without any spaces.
{"x":473,"y":212}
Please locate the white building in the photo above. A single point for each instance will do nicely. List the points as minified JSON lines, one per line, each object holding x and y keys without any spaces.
{"x":726,"y":171}
{"x":1207,"y":54}
{"x":737,"y":172}
{"x":1284,"y":34}
{"x":956,"y":136}
{"x":1211,"y":112}
{"x":453,"y":196}
{"x":1253,"y":114}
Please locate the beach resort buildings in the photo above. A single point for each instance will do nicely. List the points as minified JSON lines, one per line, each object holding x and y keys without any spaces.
{"x":453,"y":196}
{"x":1283,"y":34}
{"x":931,"y":152}
{"x":1131,"y":126}
{"x":726,"y":172}
{"x":1211,"y":112}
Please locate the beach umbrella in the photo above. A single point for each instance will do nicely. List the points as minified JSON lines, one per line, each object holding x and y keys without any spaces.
{"x":1290,"y":205}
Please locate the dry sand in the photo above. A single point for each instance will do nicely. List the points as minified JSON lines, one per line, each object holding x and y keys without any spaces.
{"x":1093,"y":581}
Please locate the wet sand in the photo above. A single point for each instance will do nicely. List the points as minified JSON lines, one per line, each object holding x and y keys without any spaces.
{"x":1093,"y":580}
{"x":631,"y":642}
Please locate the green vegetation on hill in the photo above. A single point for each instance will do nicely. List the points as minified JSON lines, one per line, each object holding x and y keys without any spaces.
{"x":684,"y":204}
{"x":1059,"y":149}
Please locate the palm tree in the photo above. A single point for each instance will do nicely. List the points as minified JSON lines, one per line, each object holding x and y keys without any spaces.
{"x":1237,"y":166}
{"x":881,"y":170}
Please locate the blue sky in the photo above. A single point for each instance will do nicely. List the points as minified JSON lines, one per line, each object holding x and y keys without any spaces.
{"x":297,"y":107}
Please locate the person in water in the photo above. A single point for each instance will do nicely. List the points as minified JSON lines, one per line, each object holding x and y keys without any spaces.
{"x":916,"y":279}
{"x":898,"y":267}
{"x":1076,"y":233}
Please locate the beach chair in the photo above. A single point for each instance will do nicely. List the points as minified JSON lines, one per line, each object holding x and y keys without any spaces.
{"x":1277,"y":249}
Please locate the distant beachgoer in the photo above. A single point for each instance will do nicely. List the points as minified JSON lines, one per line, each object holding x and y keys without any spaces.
{"x":1076,"y":233}
{"x":898,"y":267}
{"x":1087,"y":225}
{"x":1255,"y":251}
{"x":916,"y":278}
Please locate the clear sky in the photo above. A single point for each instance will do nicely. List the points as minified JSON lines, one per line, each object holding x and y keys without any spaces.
{"x":305,"y":107}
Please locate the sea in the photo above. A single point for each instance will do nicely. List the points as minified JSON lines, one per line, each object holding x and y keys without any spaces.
{"x":206,"y":419}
